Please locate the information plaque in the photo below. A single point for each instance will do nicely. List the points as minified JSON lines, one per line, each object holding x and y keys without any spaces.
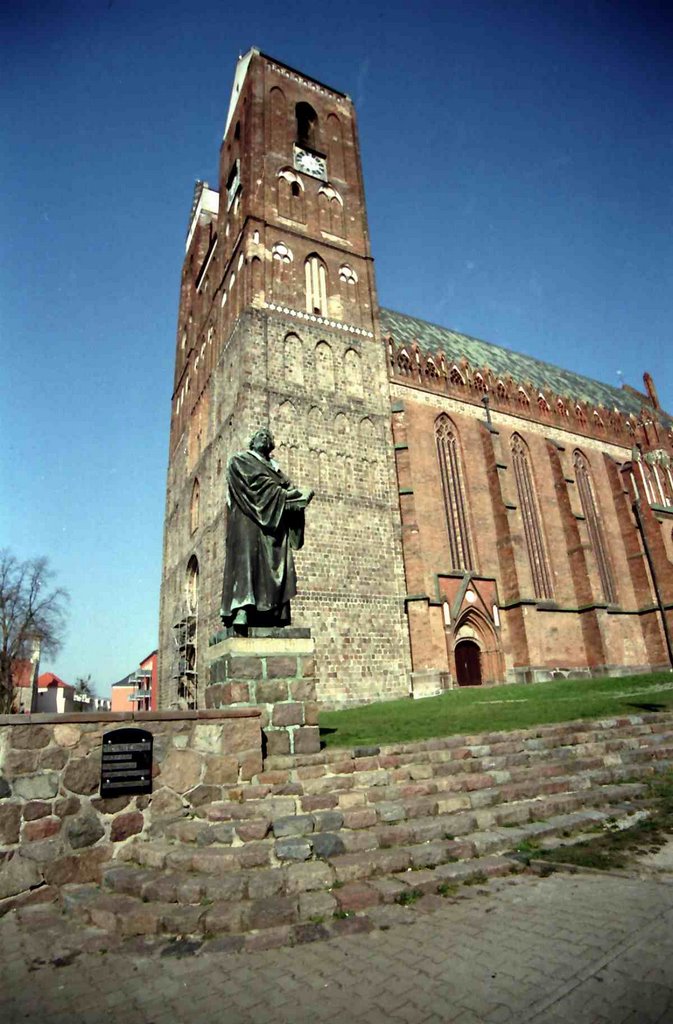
{"x":126,"y":762}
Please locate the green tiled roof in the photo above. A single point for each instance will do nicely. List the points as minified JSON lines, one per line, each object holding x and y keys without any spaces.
{"x":502,"y":361}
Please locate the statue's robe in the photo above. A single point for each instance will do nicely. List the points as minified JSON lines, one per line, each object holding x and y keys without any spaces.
{"x":263,"y":529}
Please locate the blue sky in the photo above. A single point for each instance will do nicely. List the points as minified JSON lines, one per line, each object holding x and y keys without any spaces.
{"x":517,"y":161}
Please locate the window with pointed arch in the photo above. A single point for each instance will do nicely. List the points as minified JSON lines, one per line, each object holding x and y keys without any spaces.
{"x":353,"y":373}
{"x":307,"y":125}
{"x":453,"y":491}
{"x":456,"y":377}
{"x":281,"y":272}
{"x":348,"y":287}
{"x":192,"y":585}
{"x":290,"y":195}
{"x":293,"y":360}
{"x":594,"y":525}
{"x":324,"y":366}
{"x":316,"y":285}
{"x":532,"y":520}
{"x":194,"y":507}
{"x":330,"y":207}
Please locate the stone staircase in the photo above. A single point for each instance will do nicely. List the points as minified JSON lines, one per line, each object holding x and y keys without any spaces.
{"x":317,"y":843}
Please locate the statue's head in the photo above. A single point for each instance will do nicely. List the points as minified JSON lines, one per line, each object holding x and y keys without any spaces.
{"x":262,"y":441}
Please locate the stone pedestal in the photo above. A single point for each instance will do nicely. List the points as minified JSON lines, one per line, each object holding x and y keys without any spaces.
{"x":272,"y":669}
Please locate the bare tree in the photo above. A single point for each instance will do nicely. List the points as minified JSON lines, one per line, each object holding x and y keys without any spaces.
{"x":84,"y":685}
{"x":31,"y":612}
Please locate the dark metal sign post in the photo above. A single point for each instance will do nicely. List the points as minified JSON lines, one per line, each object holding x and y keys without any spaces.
{"x":126,"y":762}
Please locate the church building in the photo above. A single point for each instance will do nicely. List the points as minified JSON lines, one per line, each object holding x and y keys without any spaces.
{"x":480,"y":517}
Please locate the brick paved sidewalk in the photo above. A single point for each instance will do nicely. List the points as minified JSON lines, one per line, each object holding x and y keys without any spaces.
{"x":569,"y":949}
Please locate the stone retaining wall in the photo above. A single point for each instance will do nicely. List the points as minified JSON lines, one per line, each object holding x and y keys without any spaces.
{"x":54,"y":826}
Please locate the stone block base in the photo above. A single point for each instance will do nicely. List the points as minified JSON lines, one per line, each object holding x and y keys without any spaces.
{"x":429,"y":683}
{"x":276,"y":674}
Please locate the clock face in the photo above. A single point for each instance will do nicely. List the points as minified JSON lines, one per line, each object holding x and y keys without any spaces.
{"x":310,"y":163}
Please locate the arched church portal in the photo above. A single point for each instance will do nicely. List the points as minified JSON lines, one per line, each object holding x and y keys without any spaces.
{"x":468,"y":663}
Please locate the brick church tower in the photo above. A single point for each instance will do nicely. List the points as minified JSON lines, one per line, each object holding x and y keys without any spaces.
{"x":278,"y":324}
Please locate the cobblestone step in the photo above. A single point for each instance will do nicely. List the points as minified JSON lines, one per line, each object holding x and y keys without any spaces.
{"x":252,"y":821}
{"x":314,"y":840}
{"x":161,"y":872}
{"x":289,"y":919}
{"x":253,"y":811}
{"x":304,"y":902}
{"x":540,"y":738}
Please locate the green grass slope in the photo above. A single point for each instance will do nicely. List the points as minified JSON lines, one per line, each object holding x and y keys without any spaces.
{"x":477,"y":709}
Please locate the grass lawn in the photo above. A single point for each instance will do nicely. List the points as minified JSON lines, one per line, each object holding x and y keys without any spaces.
{"x":478,"y":709}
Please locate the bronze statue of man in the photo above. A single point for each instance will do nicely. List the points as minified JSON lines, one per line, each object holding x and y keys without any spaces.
{"x":265,"y":524}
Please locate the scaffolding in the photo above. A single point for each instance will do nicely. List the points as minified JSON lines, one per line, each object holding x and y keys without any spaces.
{"x":185,"y":679}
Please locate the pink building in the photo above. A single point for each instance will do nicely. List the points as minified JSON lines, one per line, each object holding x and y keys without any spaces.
{"x":137,"y":691}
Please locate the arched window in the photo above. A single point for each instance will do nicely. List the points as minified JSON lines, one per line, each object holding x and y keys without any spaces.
{"x":330,"y":205}
{"x":194,"y":507}
{"x":281,"y":273}
{"x":290,"y":194}
{"x":456,"y":377}
{"x":192,"y":585}
{"x":453,"y":489}
{"x":293,"y":360}
{"x":348,"y":286}
{"x":532,"y":522}
{"x":279,"y":120}
{"x":594,"y":525}
{"x":522,"y":398}
{"x":324,"y":366}
{"x":307,"y":125}
{"x":353,"y":373}
{"x":480,"y":384}
{"x":233,"y":183}
{"x":316,"y":285}
{"x":335,"y":146}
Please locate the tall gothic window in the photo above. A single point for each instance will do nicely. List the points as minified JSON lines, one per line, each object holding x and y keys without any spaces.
{"x":453,"y":489}
{"x":594,"y":525}
{"x":532,"y":521}
{"x":316,"y":286}
{"x":194,"y":507}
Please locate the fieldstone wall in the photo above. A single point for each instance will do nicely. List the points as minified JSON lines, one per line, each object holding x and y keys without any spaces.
{"x":54,"y":826}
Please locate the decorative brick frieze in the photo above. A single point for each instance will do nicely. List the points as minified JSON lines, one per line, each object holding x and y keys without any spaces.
{"x":433,"y":372}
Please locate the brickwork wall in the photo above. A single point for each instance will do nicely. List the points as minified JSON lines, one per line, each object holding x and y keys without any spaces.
{"x":254,"y":354}
{"x":578,"y":630}
{"x":249,"y":351}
